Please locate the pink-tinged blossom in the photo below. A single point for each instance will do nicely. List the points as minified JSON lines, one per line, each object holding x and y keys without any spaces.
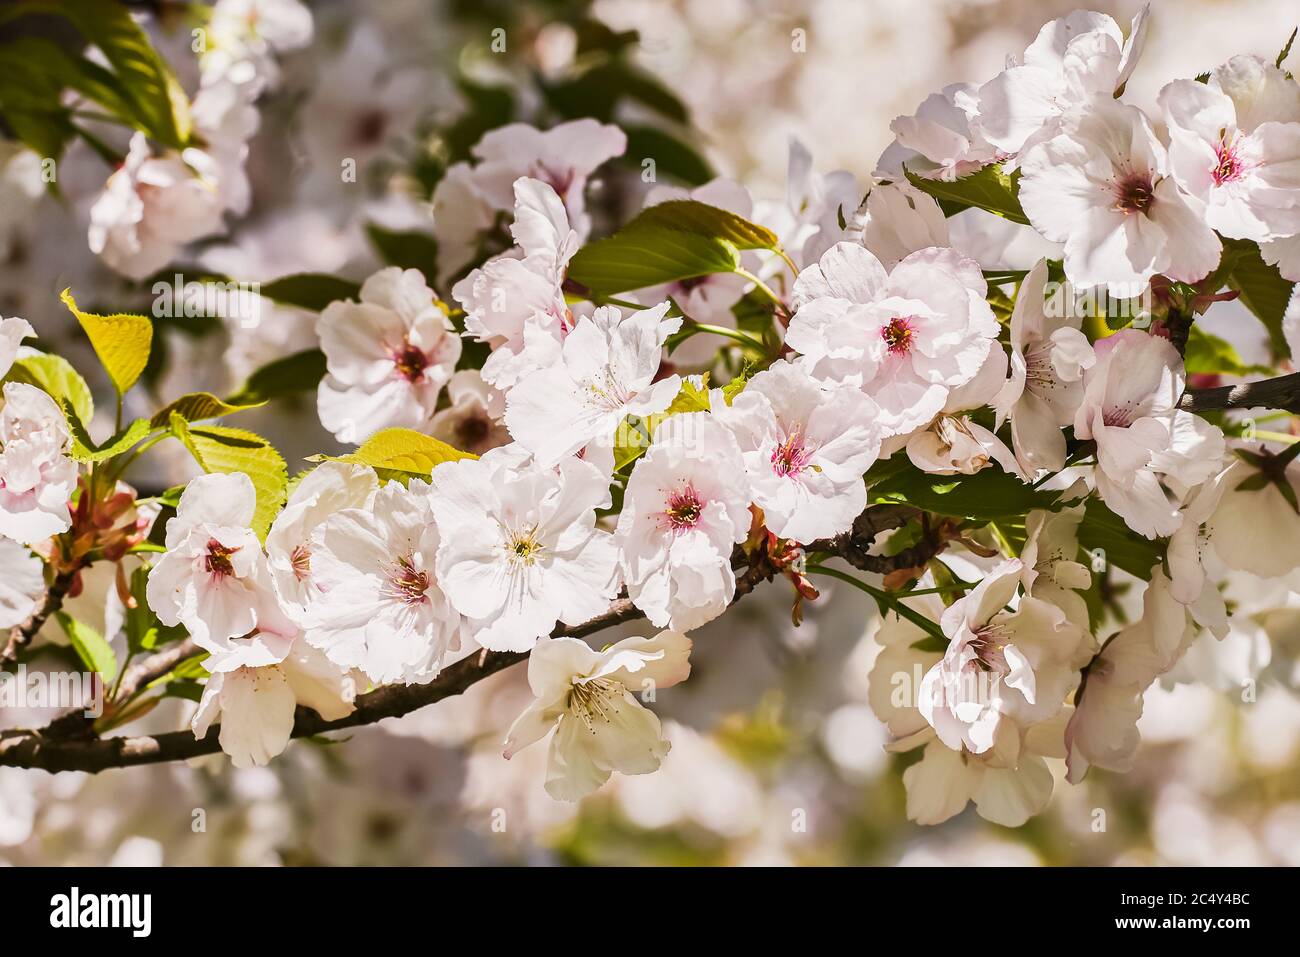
{"x":1101,"y":185}
{"x":906,"y":337}
{"x":1130,"y":409}
{"x":37,"y":477}
{"x":606,"y":372}
{"x":388,"y":356}
{"x":685,"y":509}
{"x":806,"y":447}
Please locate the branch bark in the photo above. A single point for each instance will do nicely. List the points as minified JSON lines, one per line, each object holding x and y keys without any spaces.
{"x":1281,"y":392}
{"x":53,"y":749}
{"x":21,"y":636}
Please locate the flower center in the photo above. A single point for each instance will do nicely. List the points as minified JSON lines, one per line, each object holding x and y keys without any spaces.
{"x":1119,"y":417}
{"x":217,"y":561}
{"x":1134,"y":193}
{"x":683,"y":509}
{"x":988,"y":645}
{"x":898,"y":335}
{"x":410,"y":362}
{"x":523,"y":547}
{"x":1230,"y":167}
{"x":406,"y":583}
{"x":791,"y":457}
{"x":595,"y":700}
{"x":300,"y":562}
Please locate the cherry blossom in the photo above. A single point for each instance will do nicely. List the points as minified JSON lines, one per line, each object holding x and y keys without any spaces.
{"x":388,"y":356}
{"x":473,"y":420}
{"x":606,"y":372}
{"x":806,"y":447}
{"x":1101,"y":185}
{"x":519,"y":549}
{"x":686,"y":506}
{"x":36,"y":476}
{"x":588,"y":698}
{"x":380,"y":606}
{"x":906,"y":337}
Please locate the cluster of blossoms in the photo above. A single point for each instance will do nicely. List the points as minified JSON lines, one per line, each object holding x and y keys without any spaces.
{"x":591,"y":463}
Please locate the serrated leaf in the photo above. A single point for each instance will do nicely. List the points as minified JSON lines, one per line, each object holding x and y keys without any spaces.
{"x":989,"y":189}
{"x":405,"y":451}
{"x":121,"y":341}
{"x":199,"y":405}
{"x":91,"y":648}
{"x":84,"y":448}
{"x":300,"y":372}
{"x":649,"y":256}
{"x":220,"y":449}
{"x":690,"y":216}
{"x":56,"y":377}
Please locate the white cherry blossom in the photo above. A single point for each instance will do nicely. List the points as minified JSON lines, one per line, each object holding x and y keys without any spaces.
{"x":380,"y":605}
{"x":36,"y":476}
{"x":520,"y":549}
{"x":588,"y":697}
{"x":473,"y":420}
{"x":606,"y":372}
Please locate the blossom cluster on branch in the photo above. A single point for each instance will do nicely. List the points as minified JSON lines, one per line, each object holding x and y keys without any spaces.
{"x":561,"y":425}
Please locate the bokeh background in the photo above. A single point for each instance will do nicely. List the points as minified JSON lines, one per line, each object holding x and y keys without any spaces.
{"x":776,"y":758}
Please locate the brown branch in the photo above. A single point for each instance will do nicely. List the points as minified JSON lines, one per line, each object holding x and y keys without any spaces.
{"x":1281,"y":392}
{"x":54,"y":749}
{"x":21,"y":636}
{"x":853,"y":547}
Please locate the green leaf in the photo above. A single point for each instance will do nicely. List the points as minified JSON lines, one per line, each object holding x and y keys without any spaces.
{"x":690,"y":216}
{"x":671,"y":155}
{"x":989,"y":188}
{"x":90,"y":646}
{"x":84,"y":448}
{"x":1286,"y":50}
{"x":649,"y":256}
{"x":402,"y":450}
{"x":144,"y":632}
{"x":1105,"y":532}
{"x":121,"y":341}
{"x":157,"y":103}
{"x":1208,"y":354}
{"x":310,"y":291}
{"x":1263,"y":290}
{"x":191,"y":669}
{"x":931,"y":644}
{"x":55,"y":376}
{"x":988,"y":495}
{"x":220,"y":449}
{"x":409,"y":249}
{"x":198,"y":405}
{"x":300,"y":372}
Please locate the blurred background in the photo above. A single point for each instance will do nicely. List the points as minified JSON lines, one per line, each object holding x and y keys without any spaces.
{"x":776,"y":758}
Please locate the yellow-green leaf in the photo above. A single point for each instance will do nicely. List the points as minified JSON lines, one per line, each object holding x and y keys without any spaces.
{"x":85,"y":449}
{"x":121,"y":341}
{"x":403,"y":450}
{"x":635,"y":434}
{"x":198,"y":405}
{"x":90,"y":645}
{"x":691,"y":216}
{"x":220,"y":449}
{"x":55,"y":376}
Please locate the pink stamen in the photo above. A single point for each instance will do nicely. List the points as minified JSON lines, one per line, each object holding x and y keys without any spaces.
{"x":898,"y":335}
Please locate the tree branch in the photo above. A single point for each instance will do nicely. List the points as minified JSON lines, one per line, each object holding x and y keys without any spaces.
{"x":1282,"y":392}
{"x":53,"y":749}
{"x":21,"y":636}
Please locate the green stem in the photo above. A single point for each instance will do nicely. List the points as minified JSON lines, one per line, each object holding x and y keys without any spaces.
{"x":884,"y":600}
